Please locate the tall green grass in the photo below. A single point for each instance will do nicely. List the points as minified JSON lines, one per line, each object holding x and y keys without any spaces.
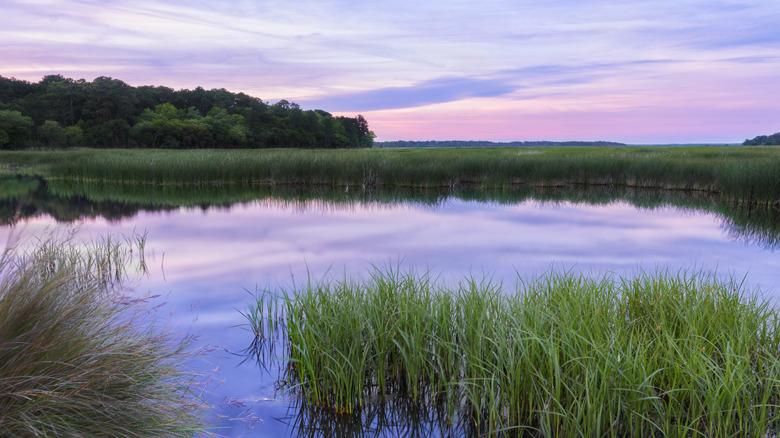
{"x":77,"y":357}
{"x":748,"y":175}
{"x":564,"y":355}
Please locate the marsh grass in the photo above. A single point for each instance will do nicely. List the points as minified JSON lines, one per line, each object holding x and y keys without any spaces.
{"x":79,"y":358}
{"x":746,"y":175}
{"x":564,"y":355}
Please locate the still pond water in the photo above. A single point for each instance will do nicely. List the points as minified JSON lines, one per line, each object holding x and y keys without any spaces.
{"x":205,"y":260}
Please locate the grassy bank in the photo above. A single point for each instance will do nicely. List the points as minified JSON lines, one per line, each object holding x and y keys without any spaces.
{"x":77,"y":358}
{"x":742,"y":174}
{"x":564,"y":355}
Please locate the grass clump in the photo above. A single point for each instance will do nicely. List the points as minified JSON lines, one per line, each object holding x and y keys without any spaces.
{"x":77,"y":357}
{"x":564,"y":355}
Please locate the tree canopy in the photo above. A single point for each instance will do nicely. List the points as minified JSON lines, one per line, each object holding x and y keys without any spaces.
{"x":63,"y":112}
{"x":764,"y":140}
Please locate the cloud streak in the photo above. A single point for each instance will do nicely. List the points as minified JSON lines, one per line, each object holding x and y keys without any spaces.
{"x":425,"y":93}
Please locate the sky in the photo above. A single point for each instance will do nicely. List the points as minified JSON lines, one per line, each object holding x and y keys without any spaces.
{"x":641,"y":72}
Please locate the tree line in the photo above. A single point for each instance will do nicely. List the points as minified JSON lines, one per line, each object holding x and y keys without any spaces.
{"x":106,"y":112}
{"x":764,"y":140}
{"x":479,"y":144}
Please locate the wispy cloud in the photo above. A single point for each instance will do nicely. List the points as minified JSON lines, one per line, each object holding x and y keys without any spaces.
{"x":409,"y":55}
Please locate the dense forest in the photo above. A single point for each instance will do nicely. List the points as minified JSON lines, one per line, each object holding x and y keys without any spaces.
{"x":480,"y":144}
{"x":63,"y":112}
{"x":764,"y":140}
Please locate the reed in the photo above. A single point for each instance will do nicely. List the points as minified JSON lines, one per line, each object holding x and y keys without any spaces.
{"x":746,"y":175}
{"x":77,"y":357}
{"x":663,"y":354}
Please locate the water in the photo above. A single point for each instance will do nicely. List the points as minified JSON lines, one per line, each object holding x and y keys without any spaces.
{"x":204,"y":262}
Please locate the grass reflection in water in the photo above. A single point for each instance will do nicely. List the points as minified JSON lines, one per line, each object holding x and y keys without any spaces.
{"x":68,"y":200}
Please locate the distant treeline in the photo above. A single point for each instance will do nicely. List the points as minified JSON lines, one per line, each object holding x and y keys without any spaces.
{"x":764,"y":140}
{"x":63,"y":112}
{"x":481,"y":144}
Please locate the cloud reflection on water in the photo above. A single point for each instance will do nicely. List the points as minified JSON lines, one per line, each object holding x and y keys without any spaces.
{"x":205,"y":261}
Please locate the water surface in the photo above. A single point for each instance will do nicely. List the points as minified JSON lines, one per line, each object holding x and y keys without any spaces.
{"x":205,"y":260}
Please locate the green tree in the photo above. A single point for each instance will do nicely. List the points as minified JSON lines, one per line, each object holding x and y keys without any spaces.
{"x":764,"y":140}
{"x":108,"y":99}
{"x":66,"y":98}
{"x":99,"y":136}
{"x":109,"y":112}
{"x":356,"y":132}
{"x":227,"y":130}
{"x":170,"y":127}
{"x":14,"y":128}
{"x":13,"y":90}
{"x":52,"y":134}
{"x":74,"y":136}
{"x":120,"y":131}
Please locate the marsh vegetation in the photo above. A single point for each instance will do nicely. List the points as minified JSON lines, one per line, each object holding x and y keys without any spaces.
{"x":78,"y":356}
{"x":561,"y":355}
{"x":739,"y":175}
{"x":660,"y":354}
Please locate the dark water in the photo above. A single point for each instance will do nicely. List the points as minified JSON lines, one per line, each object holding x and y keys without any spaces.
{"x":205,"y":257}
